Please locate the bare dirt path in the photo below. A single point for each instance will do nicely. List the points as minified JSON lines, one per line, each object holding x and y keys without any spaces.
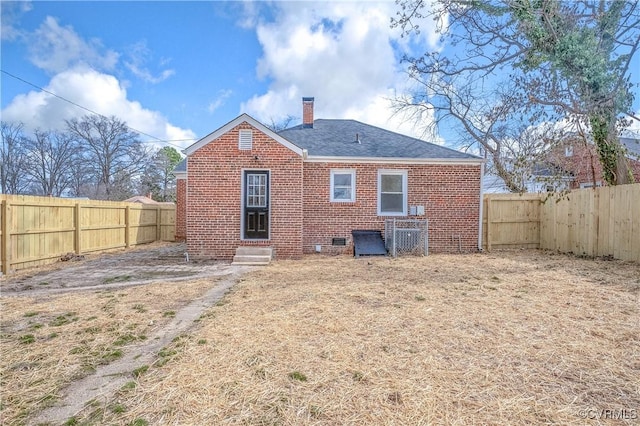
{"x":155,"y":263}
{"x":109,"y":378}
{"x":165,"y":261}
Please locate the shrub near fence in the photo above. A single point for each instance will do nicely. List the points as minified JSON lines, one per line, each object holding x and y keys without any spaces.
{"x":38,"y":230}
{"x":588,"y":222}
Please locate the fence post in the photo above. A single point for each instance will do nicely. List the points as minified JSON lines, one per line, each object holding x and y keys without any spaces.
{"x":78,"y":229}
{"x":127,"y":226}
{"x":426,"y":238}
{"x":158,"y":223}
{"x":488,"y":216}
{"x":595,"y":222}
{"x":393,"y":245}
{"x":6,"y":238}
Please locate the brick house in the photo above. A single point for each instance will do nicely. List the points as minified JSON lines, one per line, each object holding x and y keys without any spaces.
{"x":572,"y":164}
{"x":581,"y":162}
{"x":300,"y":190}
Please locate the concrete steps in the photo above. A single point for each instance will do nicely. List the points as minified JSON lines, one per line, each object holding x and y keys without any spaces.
{"x":249,"y":255}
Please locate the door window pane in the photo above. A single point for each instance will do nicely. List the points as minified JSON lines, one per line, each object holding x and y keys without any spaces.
{"x":256,"y":190}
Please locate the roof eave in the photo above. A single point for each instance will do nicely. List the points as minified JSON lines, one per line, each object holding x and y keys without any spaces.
{"x":393,"y":160}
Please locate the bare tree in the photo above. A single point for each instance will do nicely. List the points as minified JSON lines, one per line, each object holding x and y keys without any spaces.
{"x":112,"y":150}
{"x":280,"y":125}
{"x":559,"y":60}
{"x":13,"y":159}
{"x":50,"y":160}
{"x":487,"y":122}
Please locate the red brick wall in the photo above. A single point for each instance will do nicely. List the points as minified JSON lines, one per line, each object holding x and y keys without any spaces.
{"x":450,"y":194}
{"x":584,"y":163}
{"x":181,"y":209}
{"x":215,"y":199}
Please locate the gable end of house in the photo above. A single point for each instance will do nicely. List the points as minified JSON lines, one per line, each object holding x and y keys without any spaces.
{"x":244,"y":118}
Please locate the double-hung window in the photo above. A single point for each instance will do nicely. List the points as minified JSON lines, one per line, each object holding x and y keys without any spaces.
{"x":392,"y":192}
{"x":343,"y":186}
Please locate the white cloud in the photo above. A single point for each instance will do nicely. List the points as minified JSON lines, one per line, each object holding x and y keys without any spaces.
{"x":219,"y":101}
{"x":10,"y":14}
{"x":139,"y":55}
{"x":96,"y":91}
{"x":79,"y":69}
{"x":340,"y":53}
{"x":55,"y":48}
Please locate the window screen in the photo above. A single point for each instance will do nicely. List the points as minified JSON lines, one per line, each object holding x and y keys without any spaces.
{"x":392,"y":193}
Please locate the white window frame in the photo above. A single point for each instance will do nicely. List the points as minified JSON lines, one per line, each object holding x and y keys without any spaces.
{"x":334,"y":172}
{"x":584,"y":185}
{"x":245,"y":139}
{"x":405,"y":191}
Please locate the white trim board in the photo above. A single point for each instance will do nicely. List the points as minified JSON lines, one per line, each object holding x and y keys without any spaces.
{"x":395,"y":160}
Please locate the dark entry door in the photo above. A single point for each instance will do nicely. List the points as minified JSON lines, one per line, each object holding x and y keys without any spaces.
{"x":256,"y":204}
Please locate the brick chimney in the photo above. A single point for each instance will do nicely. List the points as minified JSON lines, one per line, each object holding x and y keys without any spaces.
{"x":307,"y":112}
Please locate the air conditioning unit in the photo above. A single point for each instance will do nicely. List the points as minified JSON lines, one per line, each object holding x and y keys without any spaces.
{"x":407,"y":239}
{"x":406,"y":236}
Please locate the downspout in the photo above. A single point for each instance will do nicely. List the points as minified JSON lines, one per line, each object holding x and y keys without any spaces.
{"x":481,"y":206}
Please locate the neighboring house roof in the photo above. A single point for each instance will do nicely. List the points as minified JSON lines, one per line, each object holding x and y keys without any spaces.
{"x":542,"y":175}
{"x":181,"y":166}
{"x":633,"y":147}
{"x":180,"y":170}
{"x":141,"y":199}
{"x":547,"y":169}
{"x":353,"y":139}
{"x":235,"y":122}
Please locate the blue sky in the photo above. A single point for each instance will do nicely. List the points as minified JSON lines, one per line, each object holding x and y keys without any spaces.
{"x":180,"y":70}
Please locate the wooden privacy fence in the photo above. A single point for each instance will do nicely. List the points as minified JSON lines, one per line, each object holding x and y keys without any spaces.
{"x":591,"y":222}
{"x":38,"y":230}
{"x":511,"y":221}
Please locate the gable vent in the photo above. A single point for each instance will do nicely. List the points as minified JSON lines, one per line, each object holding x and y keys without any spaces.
{"x":245,"y":139}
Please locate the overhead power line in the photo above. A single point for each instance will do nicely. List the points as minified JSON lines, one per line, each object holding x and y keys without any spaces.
{"x":155,"y":139}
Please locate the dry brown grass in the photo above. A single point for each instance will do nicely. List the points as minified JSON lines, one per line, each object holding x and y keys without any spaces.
{"x":508,"y":338}
{"x":49,"y":341}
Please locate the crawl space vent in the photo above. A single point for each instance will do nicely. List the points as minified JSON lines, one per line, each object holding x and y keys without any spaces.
{"x":339,"y":242}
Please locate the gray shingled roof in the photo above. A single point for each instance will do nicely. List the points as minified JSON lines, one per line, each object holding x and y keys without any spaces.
{"x":337,"y":138}
{"x":633,"y":146}
{"x":181,"y":166}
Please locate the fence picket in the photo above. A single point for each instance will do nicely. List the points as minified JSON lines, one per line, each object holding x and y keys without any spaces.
{"x":38,"y":230}
{"x":592,"y":222}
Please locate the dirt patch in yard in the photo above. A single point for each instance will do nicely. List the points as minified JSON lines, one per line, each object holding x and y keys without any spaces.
{"x":68,"y":342}
{"x":119,"y":268}
{"x":522,"y":337}
{"x":49,"y":342}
